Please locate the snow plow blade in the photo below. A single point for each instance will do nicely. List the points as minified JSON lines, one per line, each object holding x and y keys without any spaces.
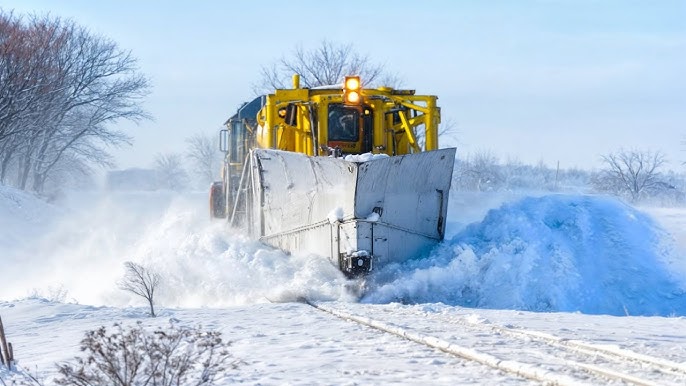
{"x":360,"y":214}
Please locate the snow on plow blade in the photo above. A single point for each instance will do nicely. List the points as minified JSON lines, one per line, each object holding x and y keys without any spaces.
{"x":361,"y":214}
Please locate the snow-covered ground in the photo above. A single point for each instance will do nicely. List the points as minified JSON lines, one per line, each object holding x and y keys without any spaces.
{"x":581,"y":268}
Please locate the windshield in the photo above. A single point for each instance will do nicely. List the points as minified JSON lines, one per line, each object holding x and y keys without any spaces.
{"x":344,"y":123}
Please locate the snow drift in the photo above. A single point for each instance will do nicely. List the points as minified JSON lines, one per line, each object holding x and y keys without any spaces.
{"x":589,"y":254}
{"x":554,"y":253}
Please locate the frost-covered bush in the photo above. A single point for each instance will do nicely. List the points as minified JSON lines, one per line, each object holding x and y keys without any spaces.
{"x":134,"y":356}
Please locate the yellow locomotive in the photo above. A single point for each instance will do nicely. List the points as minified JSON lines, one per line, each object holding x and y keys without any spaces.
{"x":343,"y":171}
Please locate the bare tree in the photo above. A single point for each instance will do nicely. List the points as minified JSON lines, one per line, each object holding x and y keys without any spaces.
{"x":141,"y":281}
{"x":23,"y":77}
{"x":631,"y":172}
{"x":324,"y":65}
{"x":205,"y":157}
{"x":170,"y":171}
{"x":479,"y":172}
{"x":61,"y":89}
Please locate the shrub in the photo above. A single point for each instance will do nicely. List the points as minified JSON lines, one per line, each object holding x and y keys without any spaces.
{"x":133,"y":357}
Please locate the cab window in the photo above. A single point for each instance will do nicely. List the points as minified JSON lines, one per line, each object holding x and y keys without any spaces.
{"x":237,"y":142}
{"x":343,"y":123}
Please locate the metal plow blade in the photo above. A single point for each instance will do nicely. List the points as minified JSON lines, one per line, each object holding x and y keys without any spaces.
{"x":358,"y":214}
{"x":410,"y":196}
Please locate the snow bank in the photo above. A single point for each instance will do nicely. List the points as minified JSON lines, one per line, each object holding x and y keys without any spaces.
{"x":22,"y":217}
{"x":554,"y":253}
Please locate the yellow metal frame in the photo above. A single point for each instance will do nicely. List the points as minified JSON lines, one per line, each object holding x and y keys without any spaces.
{"x":390,"y":136}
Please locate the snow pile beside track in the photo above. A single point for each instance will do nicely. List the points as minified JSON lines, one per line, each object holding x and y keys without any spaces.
{"x":594,"y":255}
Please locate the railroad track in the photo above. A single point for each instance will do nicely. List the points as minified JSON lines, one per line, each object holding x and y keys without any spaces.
{"x":540,"y":357}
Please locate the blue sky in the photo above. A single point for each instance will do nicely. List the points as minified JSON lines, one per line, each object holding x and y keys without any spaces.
{"x":547,"y":80}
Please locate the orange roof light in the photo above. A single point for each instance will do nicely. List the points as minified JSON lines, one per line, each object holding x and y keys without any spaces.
{"x":352,"y":82}
{"x":351,"y":90}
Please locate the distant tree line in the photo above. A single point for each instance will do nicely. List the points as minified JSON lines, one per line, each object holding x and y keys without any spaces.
{"x":634,"y":175}
{"x":62,"y":89}
{"x":193,"y":169}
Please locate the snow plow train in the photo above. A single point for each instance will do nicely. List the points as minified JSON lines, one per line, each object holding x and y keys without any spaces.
{"x":342,"y":171}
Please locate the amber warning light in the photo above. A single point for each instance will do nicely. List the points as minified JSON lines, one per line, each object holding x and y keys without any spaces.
{"x":351,"y":90}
